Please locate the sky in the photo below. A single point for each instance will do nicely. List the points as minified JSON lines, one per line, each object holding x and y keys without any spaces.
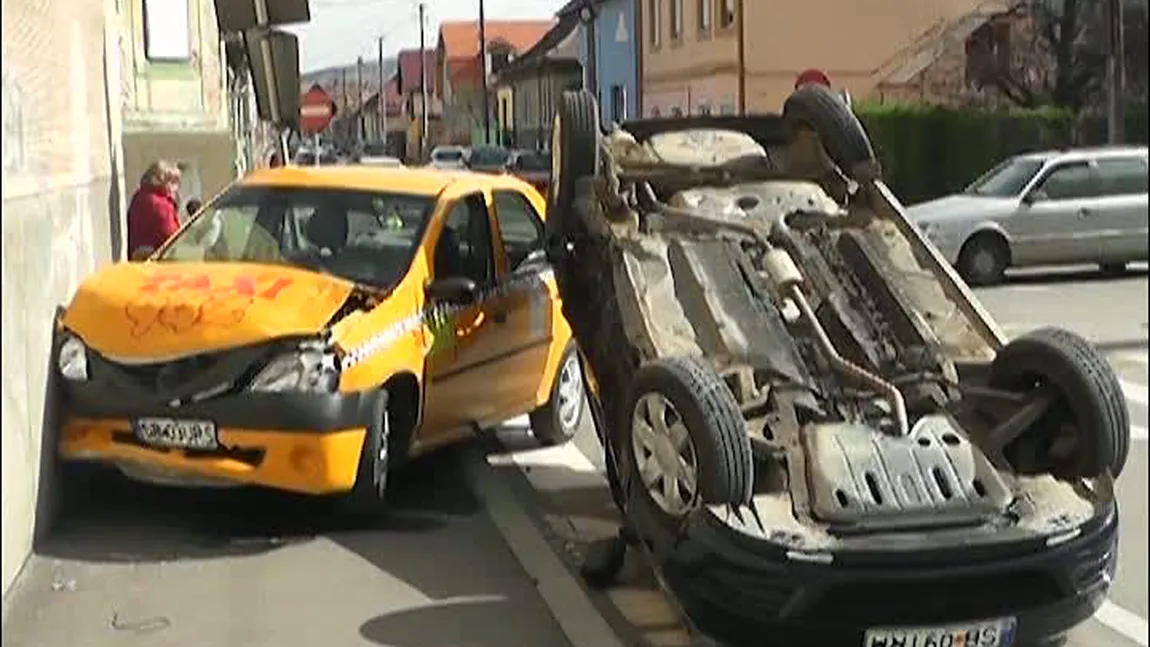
{"x":341,"y":30}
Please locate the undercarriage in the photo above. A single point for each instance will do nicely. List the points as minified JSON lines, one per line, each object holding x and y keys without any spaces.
{"x":774,"y":350}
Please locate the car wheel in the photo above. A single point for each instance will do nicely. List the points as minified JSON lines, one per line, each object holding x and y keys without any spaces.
{"x":685,"y":443}
{"x":983,"y":259}
{"x":1086,"y":393}
{"x":574,"y":147}
{"x":818,"y":108}
{"x":367,"y":497}
{"x":557,"y":421}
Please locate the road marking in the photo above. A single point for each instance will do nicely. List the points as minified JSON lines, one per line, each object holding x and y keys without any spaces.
{"x":566,"y":455}
{"x":1127,"y":623}
{"x":1135,"y":392}
{"x":1142,"y":358}
{"x":1139,"y":432}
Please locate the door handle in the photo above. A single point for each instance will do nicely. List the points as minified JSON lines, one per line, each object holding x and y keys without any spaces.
{"x":1083,"y":213}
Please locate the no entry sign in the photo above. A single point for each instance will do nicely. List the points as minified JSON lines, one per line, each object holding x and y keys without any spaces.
{"x":316,"y":110}
{"x":812,"y":76}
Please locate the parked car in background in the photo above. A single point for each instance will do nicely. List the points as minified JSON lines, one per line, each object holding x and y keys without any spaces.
{"x":380,"y":160}
{"x":453,"y":157}
{"x":487,"y":158}
{"x":1083,"y":206}
{"x":533,"y":167}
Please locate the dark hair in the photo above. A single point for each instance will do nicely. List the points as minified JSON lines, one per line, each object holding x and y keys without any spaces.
{"x":193,"y":206}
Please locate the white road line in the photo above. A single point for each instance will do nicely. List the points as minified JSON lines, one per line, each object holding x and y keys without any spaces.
{"x":1138,"y":432}
{"x":567,"y":455}
{"x":1127,"y":623}
{"x":1135,"y":392}
{"x":1142,"y":358}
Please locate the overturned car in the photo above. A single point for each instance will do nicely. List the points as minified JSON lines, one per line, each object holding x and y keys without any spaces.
{"x":814,"y":431}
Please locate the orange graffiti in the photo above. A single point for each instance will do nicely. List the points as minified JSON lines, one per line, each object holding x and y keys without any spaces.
{"x":179,"y":302}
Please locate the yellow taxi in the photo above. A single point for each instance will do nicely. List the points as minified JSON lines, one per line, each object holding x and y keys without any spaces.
{"x":314,"y":326}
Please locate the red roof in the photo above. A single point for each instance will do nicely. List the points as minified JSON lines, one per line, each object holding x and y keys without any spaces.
{"x":408,"y":73}
{"x":460,"y":38}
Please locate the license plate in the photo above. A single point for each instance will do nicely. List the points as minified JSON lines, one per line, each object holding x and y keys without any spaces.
{"x":180,"y":434}
{"x":978,"y":633}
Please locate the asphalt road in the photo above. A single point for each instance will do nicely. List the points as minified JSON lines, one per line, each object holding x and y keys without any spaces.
{"x":147,"y":567}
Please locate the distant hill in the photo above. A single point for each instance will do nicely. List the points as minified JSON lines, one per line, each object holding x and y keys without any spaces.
{"x":331,"y":77}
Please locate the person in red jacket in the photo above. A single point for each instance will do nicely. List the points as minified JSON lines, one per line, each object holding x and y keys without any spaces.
{"x":153,"y":213}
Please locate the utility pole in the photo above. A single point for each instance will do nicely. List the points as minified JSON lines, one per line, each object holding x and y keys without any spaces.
{"x":483,"y":61}
{"x":423,"y":108}
{"x":381,"y":99}
{"x":741,"y":21}
{"x":1116,"y":73}
{"x":359,"y":101}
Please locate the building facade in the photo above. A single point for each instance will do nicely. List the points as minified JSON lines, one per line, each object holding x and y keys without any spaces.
{"x":528,"y":88}
{"x":715,"y":56}
{"x":607,"y":30}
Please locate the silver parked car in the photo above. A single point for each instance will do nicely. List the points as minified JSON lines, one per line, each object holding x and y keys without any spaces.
{"x":1082,"y":206}
{"x":449,"y":157}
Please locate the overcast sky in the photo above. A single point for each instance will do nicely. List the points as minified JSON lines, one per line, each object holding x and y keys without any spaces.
{"x":341,"y":30}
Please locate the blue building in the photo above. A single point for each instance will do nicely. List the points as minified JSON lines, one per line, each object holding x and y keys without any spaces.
{"x":609,"y":53}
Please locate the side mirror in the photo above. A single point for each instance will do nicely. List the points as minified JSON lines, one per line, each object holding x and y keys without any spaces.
{"x":456,"y":290}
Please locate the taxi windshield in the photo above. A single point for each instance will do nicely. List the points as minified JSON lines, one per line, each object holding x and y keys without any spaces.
{"x":367,"y":237}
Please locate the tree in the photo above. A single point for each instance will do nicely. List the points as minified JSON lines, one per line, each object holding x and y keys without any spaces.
{"x":1053,"y":54}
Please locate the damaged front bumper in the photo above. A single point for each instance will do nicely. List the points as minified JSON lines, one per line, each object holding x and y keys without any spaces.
{"x":740,"y":589}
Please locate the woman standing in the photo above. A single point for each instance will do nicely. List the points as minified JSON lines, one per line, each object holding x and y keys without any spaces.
{"x":153,"y":213}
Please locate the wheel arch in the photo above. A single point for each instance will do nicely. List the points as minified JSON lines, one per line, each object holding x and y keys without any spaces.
{"x":404,"y":388}
{"x":989,"y":230}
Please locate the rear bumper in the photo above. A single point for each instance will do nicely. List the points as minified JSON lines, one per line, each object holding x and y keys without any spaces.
{"x":737,"y":595}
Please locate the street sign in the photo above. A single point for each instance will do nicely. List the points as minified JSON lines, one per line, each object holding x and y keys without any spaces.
{"x":812,"y":75}
{"x":316,"y":110}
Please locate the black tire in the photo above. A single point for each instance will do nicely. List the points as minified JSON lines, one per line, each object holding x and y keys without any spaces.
{"x":574,"y":147}
{"x":550,"y":423}
{"x":983,"y":259}
{"x":715,"y":427}
{"x":1091,"y":395}
{"x":368,"y":497}
{"x":818,"y":108}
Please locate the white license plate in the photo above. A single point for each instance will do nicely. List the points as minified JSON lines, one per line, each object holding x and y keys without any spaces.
{"x":978,"y":633}
{"x":182,"y":434}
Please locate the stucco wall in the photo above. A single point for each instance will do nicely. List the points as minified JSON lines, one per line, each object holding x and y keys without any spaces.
{"x":616,"y":55}
{"x":61,"y":205}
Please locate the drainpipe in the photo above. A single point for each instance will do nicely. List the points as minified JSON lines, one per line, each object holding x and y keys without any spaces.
{"x":587,"y":17}
{"x":741,"y":13}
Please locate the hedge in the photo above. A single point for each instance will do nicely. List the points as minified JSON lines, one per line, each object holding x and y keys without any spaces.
{"x":929,"y":151}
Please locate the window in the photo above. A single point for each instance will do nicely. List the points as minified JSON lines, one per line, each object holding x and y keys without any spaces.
{"x":727,"y":109}
{"x":464,"y":245}
{"x":519,"y":227}
{"x":654,"y":11}
{"x":727,"y":13}
{"x":167,"y":30}
{"x":363,"y":236}
{"x":1068,"y":182}
{"x":618,"y":104}
{"x":1123,"y":176}
{"x":676,"y":112}
{"x":705,"y":109}
{"x":676,"y":19}
{"x":706,"y":13}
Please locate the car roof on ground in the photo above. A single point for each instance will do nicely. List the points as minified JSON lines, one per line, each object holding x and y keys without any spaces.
{"x":400,"y":179}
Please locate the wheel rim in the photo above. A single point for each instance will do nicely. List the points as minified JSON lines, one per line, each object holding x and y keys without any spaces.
{"x":381,"y":454}
{"x":665,"y":457}
{"x":569,"y":394}
{"x":983,"y":262}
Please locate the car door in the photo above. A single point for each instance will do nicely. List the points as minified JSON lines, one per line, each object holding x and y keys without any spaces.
{"x":523,"y":308}
{"x":459,"y":370}
{"x":1121,"y":219}
{"x":1052,"y":225}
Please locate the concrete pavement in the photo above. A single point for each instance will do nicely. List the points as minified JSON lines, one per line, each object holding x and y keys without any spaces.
{"x":149,"y":567}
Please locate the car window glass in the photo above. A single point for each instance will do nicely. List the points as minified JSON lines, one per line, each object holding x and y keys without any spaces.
{"x":1068,"y":182}
{"x":1122,"y":176}
{"x":464,"y":246}
{"x":519,"y":227}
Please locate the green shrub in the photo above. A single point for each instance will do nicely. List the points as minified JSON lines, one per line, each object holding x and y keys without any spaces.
{"x":930,"y":151}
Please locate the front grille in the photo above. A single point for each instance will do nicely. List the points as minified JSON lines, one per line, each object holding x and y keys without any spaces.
{"x":169,"y":375}
{"x":213,"y":373}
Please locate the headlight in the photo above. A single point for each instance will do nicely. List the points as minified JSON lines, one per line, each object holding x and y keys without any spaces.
{"x":72,"y":359}
{"x":305,"y":370}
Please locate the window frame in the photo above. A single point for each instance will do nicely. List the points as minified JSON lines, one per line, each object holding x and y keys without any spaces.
{"x":705,"y":16}
{"x":655,"y":23}
{"x":722,"y":23}
{"x":1057,"y":167}
{"x":155,"y":15}
{"x":676,"y":20}
{"x":462,"y":201}
{"x":532,"y":215}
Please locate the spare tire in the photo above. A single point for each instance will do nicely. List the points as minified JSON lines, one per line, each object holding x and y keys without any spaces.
{"x":574,"y":147}
{"x":685,"y":443}
{"x":818,"y":108}
{"x":1087,"y":390}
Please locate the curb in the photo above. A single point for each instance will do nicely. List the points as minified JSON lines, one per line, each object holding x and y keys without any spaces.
{"x":574,"y":611}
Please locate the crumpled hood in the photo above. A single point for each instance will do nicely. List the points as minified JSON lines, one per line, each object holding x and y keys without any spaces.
{"x":166,"y":310}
